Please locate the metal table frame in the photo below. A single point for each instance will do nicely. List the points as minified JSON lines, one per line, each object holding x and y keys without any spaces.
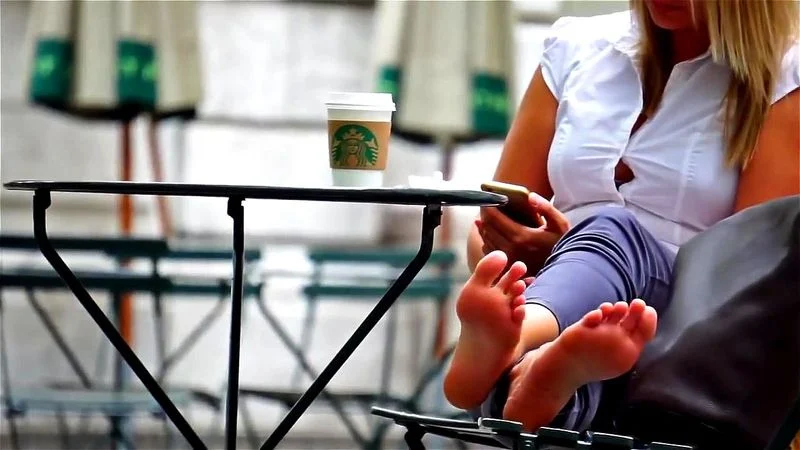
{"x":431,"y":200}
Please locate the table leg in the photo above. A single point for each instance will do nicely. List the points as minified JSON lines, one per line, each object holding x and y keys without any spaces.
{"x":41,"y":201}
{"x":431,"y":218}
{"x":236,"y":211}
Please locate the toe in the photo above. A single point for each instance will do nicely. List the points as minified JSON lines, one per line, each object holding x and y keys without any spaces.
{"x":606,"y":308}
{"x":647,"y":325}
{"x":619,"y":311}
{"x":489,"y":268}
{"x":516,"y":289}
{"x":635,"y":311}
{"x":592,"y":318}
{"x":518,"y":314}
{"x":514,"y":273}
{"x":517,"y":301}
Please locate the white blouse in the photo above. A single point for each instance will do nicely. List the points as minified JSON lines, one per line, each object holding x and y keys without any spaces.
{"x":681,"y":185}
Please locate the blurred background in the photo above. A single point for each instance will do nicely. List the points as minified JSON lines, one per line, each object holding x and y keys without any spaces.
{"x":237,"y":98}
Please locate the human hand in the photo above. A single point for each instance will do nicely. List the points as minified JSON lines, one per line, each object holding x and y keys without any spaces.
{"x":521,"y":243}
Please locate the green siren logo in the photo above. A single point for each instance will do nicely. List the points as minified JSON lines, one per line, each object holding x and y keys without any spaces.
{"x":354,"y":146}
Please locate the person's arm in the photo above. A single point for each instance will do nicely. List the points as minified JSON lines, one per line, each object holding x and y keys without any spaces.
{"x":524,"y":157}
{"x":774,"y":170}
{"x":474,"y":247}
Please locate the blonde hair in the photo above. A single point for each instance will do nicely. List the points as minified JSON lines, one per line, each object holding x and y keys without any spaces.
{"x":750,"y":37}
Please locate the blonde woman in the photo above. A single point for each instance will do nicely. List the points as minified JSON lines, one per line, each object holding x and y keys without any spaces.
{"x":644,"y":128}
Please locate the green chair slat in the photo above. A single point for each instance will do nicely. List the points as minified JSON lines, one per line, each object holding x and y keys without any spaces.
{"x":121,"y":247}
{"x":403,"y":417}
{"x":606,"y":441}
{"x":85,"y":401}
{"x":112,"y":281}
{"x":200,"y":254}
{"x":557,"y":437}
{"x":395,"y":257}
{"x":416,"y":290}
{"x":289,"y":398}
{"x":665,"y":446}
{"x":126,"y":247}
{"x":205,"y":287}
{"x":500,"y":425}
{"x":527,"y":441}
{"x":121,"y":281}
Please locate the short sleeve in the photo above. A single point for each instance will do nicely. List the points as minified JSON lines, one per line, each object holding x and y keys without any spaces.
{"x":557,"y":55}
{"x":789,"y":78}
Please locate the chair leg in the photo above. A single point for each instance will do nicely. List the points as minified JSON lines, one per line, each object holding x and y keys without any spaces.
{"x":63,"y":430}
{"x":247,"y":423}
{"x":305,"y":338}
{"x":158,"y":325}
{"x":194,"y":335}
{"x":6,"y":382}
{"x":100,"y":362}
{"x":388,"y":355}
{"x":305,"y":366}
{"x":72,"y":359}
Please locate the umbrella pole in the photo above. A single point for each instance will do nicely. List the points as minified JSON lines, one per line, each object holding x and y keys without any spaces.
{"x":123,"y":301}
{"x":125,"y":318}
{"x":448,"y":150}
{"x":158,"y":174}
{"x":447,"y":144}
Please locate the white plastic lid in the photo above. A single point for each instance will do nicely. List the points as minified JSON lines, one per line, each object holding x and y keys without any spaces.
{"x":360,"y":100}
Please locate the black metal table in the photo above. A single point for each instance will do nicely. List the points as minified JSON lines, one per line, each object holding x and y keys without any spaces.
{"x":432,"y":200}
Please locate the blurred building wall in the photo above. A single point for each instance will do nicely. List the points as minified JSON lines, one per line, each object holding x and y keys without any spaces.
{"x":591,"y":7}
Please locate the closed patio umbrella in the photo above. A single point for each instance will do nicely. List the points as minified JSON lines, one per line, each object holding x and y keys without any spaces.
{"x":449,"y":67}
{"x":115,"y":60}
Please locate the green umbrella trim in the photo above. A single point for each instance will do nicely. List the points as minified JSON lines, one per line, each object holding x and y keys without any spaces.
{"x":51,"y":79}
{"x":137,"y":73}
{"x":490,"y":105}
{"x":490,"y":100}
{"x":389,"y":81}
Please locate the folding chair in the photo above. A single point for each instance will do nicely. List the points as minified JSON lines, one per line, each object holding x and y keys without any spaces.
{"x":387,"y":262}
{"x":88,"y":397}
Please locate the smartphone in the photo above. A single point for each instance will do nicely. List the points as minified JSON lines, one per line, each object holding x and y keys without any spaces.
{"x":518,"y":208}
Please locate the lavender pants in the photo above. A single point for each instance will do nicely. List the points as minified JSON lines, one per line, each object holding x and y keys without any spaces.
{"x":608,"y":257}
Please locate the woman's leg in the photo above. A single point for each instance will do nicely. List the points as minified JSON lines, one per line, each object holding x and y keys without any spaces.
{"x":605,"y":258}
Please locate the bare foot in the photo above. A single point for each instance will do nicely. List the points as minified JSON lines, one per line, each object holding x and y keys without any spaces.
{"x":491,"y":317}
{"x":605,"y":344}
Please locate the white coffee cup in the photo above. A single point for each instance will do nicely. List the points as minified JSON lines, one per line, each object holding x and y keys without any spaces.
{"x":359,"y":128}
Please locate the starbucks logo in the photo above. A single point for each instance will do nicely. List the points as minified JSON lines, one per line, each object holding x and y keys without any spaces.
{"x":354,"y":146}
